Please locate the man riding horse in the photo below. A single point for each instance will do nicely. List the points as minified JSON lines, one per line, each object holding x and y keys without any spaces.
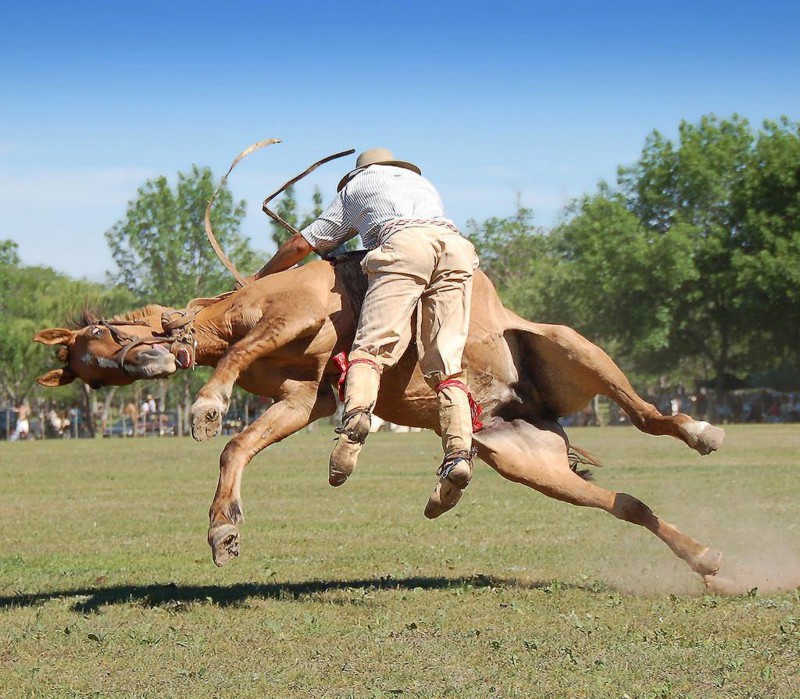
{"x":278,"y":337}
{"x":417,"y":257}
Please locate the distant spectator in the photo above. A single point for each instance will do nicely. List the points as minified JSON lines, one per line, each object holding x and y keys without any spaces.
{"x":74,"y":421}
{"x":149,"y":405}
{"x":56,"y":424}
{"x":724,"y":414}
{"x":23,"y":426}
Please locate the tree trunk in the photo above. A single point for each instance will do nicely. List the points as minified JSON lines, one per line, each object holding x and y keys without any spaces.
{"x":8,"y":422}
{"x":107,"y":398}
{"x":721,"y":367}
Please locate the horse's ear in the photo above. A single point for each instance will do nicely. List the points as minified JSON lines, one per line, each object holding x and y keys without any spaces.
{"x":57,"y":377}
{"x":55,"y":336}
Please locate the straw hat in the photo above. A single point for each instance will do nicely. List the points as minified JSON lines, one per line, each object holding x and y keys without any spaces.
{"x":376,"y":156}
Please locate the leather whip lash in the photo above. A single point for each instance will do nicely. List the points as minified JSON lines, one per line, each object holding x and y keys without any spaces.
{"x":250,"y":149}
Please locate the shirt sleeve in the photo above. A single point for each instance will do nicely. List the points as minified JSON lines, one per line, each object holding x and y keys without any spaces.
{"x":331,"y":229}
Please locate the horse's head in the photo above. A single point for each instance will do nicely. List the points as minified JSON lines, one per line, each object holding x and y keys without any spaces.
{"x":116,"y":352}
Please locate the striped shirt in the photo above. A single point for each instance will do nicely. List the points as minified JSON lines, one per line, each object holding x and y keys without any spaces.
{"x":378,"y":201}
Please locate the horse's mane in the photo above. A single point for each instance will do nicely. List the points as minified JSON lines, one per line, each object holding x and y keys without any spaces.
{"x":90,"y":316}
{"x":348,"y":269}
{"x":85,"y":318}
{"x":151,"y":309}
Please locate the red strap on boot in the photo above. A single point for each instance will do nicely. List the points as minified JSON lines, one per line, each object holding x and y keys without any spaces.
{"x":340,"y":360}
{"x":475,"y":408}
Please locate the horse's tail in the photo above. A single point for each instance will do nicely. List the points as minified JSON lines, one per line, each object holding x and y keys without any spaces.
{"x":580,"y":457}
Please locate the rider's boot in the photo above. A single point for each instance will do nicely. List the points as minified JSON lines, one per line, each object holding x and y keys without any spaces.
{"x":455,"y":473}
{"x":361,"y":392}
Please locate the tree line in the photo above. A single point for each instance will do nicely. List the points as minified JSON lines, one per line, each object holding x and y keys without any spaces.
{"x":686,"y":268}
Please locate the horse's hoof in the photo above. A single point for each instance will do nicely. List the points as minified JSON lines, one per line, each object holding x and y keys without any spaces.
{"x":703,"y":437}
{"x":710,"y":439}
{"x":707,"y":563}
{"x":206,"y":419}
{"x":224,"y":542}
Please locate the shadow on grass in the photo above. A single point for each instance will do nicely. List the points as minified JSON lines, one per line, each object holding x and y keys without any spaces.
{"x":180,"y":597}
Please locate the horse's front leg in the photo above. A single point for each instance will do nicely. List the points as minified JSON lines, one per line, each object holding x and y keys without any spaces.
{"x":302,"y":403}
{"x":269,"y":335}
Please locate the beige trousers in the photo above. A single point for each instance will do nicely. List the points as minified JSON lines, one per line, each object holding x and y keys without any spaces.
{"x":431,"y":267}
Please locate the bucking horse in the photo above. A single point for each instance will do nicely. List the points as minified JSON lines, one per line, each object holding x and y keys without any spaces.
{"x":277,"y":337}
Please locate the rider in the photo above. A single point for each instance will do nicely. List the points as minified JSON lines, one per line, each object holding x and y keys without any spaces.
{"x":416,"y":254}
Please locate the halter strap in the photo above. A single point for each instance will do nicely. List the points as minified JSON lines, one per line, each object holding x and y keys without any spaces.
{"x":177,"y":329}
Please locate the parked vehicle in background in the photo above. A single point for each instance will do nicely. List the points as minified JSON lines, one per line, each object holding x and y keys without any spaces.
{"x":150,"y":425}
{"x":119,"y":428}
{"x":158,"y":424}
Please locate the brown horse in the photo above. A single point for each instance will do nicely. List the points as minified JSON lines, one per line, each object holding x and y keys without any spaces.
{"x":276,"y":338}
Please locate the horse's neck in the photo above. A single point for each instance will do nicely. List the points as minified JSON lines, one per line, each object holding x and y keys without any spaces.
{"x":150,"y":314}
{"x":211,"y":333}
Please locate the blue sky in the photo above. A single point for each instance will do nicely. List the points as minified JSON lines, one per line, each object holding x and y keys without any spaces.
{"x":491,"y":99}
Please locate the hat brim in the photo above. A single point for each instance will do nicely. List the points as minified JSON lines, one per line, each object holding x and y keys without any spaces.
{"x":396,"y":163}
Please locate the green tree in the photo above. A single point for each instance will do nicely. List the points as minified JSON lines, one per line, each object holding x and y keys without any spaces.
{"x":43,"y":298}
{"x":673,"y":266}
{"x":160,"y":247}
{"x":516,"y":256}
{"x":8,"y":253}
{"x":768,"y":257}
{"x":9,"y":260}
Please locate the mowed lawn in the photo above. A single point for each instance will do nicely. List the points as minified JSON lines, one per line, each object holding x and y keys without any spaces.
{"x":107,"y":588}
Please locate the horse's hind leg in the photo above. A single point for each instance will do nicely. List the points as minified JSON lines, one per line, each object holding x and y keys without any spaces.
{"x":536,"y":456}
{"x":584,"y":370}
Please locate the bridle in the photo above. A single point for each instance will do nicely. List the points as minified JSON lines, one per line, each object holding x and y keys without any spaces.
{"x":177,"y":330}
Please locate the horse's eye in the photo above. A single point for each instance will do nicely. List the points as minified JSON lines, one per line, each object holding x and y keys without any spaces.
{"x":97,"y":331}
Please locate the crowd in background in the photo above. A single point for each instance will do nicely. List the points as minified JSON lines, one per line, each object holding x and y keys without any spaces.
{"x":51,"y":420}
{"x":741,"y":406}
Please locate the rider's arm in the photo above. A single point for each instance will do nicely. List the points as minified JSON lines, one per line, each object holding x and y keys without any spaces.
{"x":289,"y":254}
{"x":324,"y":234}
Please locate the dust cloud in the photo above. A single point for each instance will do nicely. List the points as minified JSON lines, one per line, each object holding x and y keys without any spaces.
{"x":760,"y":551}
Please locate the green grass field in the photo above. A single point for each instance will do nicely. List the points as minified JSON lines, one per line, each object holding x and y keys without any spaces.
{"x":107,"y":586}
